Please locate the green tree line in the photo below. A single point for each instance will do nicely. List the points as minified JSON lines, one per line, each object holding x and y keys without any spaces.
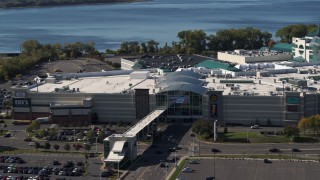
{"x":32,"y":3}
{"x":197,"y":41}
{"x":296,"y":30}
{"x":32,"y":52}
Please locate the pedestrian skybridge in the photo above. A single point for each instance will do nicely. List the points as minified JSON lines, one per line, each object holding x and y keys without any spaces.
{"x":117,"y":142}
{"x":135,"y":129}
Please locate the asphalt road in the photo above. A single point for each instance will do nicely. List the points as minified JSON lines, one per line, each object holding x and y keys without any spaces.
{"x":224,"y":169}
{"x":147,"y":167}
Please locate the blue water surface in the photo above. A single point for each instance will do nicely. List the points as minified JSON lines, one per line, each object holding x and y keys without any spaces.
{"x":110,"y":24}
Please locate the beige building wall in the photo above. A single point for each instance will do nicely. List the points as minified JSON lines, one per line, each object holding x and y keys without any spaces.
{"x":254,"y":59}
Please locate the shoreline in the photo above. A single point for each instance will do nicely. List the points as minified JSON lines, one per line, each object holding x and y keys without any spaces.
{"x":74,"y":4}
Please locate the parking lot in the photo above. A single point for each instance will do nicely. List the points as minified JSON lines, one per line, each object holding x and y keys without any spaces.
{"x":34,"y":160}
{"x":252,"y":169}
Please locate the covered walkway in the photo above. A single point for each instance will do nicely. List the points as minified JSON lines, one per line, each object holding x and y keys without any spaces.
{"x":134,"y":130}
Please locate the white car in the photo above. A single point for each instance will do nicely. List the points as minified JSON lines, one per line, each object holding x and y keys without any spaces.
{"x":32,"y":144}
{"x":187,"y":169}
{"x":255,"y":127}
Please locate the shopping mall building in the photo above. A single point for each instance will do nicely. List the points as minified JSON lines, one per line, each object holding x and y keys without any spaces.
{"x":144,"y":98}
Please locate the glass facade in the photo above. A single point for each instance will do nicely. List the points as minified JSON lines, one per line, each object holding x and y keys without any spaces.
{"x":180,"y":103}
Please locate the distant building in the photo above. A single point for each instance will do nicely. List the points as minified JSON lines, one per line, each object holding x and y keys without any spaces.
{"x":241,"y":56}
{"x":307,"y":48}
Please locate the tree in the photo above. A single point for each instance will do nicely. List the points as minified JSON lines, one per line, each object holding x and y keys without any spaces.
{"x":35,"y":125}
{"x":225,"y":130}
{"x":36,"y":145}
{"x":47,"y":146}
{"x":80,"y":135}
{"x":152,"y":46}
{"x":202,"y":127}
{"x":90,"y":135}
{"x":311,"y":123}
{"x":303,"y":124}
{"x":66,"y":147}
{"x":42,"y":133}
{"x":290,"y":131}
{"x":101,"y":136}
{"x":87,"y":147}
{"x":56,"y":147}
{"x":297,"y":30}
{"x":77,"y":147}
{"x":52,"y":132}
{"x":193,"y":41}
{"x":86,"y":156}
{"x":30,"y":47}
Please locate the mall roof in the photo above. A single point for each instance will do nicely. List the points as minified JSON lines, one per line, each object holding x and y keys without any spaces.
{"x":211,"y":64}
{"x":102,"y":84}
{"x":186,"y":87}
{"x":179,"y":80}
{"x":282,"y":47}
{"x":181,"y":74}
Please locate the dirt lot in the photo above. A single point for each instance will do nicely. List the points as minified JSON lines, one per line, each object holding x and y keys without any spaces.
{"x":66,"y":66}
{"x":72,"y":66}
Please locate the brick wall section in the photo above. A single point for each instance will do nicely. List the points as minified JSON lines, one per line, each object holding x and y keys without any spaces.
{"x":21,"y":115}
{"x":28,"y":115}
{"x":70,"y":120}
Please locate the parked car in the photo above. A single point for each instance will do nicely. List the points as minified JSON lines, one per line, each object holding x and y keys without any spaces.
{"x":255,"y":127}
{"x":194,"y":162}
{"x":7,"y":135}
{"x":28,"y":139}
{"x":164,"y":164}
{"x":187,"y":169}
{"x":55,"y":162}
{"x":79,"y":163}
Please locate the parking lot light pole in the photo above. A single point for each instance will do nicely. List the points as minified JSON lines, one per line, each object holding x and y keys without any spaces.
{"x":100,"y":174}
{"x":118,"y":169}
{"x":199,"y":143}
{"x":175,"y":159}
{"x":193,"y":145}
{"x":214,"y":164}
{"x":166,"y":169}
{"x":247,"y":135}
{"x":96,"y":144}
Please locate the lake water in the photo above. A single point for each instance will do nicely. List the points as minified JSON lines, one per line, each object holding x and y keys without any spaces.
{"x":161,"y":20}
